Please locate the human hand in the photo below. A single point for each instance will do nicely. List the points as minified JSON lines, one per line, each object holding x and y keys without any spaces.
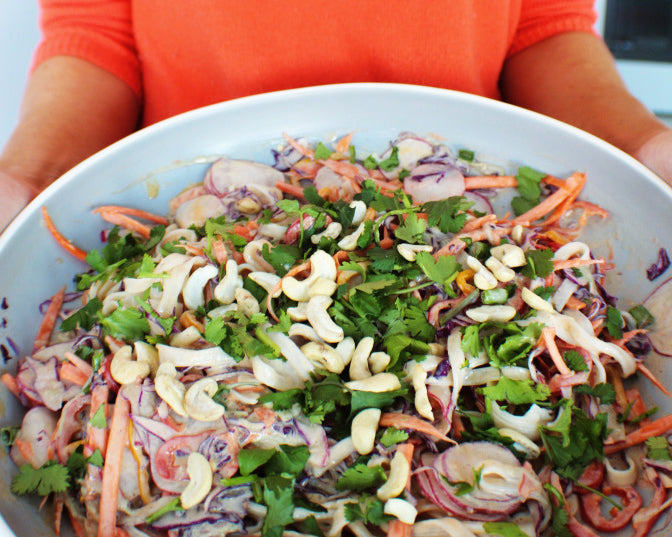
{"x":656,"y":154}
{"x":15,"y":194}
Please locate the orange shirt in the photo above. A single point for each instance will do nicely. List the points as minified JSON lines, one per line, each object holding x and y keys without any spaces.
{"x":182,"y":54}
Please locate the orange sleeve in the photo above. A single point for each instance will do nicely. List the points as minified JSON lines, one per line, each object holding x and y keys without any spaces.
{"x":100,"y":31}
{"x":540,"y":19}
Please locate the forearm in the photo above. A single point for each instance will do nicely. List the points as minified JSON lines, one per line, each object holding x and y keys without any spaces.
{"x":572,"y":77}
{"x":70,"y":110}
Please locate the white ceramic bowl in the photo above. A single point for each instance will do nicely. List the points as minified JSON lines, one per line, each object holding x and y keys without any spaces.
{"x":164,"y":158}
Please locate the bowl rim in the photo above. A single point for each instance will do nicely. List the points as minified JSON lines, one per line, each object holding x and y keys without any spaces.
{"x":409,"y":90}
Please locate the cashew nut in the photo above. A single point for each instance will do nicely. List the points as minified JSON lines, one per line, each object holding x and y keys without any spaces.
{"x":200,"y":480}
{"x":410,"y":251}
{"x":267,"y":281}
{"x":322,"y":286}
{"x":349,"y":242}
{"x":535,"y":302}
{"x":382,"y":382}
{"x":253,"y":254}
{"x":322,"y":265}
{"x":422,"y":404}
{"x":169,"y":388}
{"x":517,"y":234}
{"x":299,"y":312}
{"x":124,"y":370}
{"x":304,"y":331}
{"x":346,"y":348}
{"x":400,"y":470}
{"x":224,"y":292}
{"x":359,"y":365}
{"x":500,"y":270}
{"x":401,"y":509}
{"x":319,"y":319}
{"x":332,"y":231}
{"x":247,"y":304}
{"x":147,"y":353}
{"x":192,"y":292}
{"x":198,"y":400}
{"x":378,"y":361}
{"x":324,"y":356}
{"x":360,"y":211}
{"x":185,"y":338}
{"x":510,"y":255}
{"x":498,"y":313}
{"x":483,"y":278}
{"x":363,"y":430}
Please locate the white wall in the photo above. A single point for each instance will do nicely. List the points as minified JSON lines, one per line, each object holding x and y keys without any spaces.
{"x":18,"y":36}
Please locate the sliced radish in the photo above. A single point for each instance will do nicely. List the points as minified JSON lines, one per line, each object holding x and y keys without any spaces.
{"x":658,"y":304}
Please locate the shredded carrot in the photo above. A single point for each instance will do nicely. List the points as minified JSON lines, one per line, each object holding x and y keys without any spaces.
{"x":397,"y":528}
{"x":60,"y":239}
{"x":548,"y":337}
{"x":219,"y":251}
{"x":143,"y":483}
{"x":574,"y":303}
{"x":459,"y":242}
{"x":489,"y":181}
{"x":97,"y":437}
{"x":71,"y":373}
{"x":126,"y":222}
{"x":561,"y":264}
{"x":386,"y":242}
{"x":246,"y":231}
{"x":657,"y":427}
{"x":109,"y":494}
{"x":292,"y":190}
{"x":25,"y":448}
{"x":10,"y":383}
{"x":80,"y":364}
{"x":574,"y":183}
{"x":344,"y":143}
{"x":649,"y":375}
{"x":305,"y":151}
{"x":404,"y":421}
{"x":49,"y":320}
{"x":340,"y":256}
{"x":476,"y":223}
{"x":139,"y":213}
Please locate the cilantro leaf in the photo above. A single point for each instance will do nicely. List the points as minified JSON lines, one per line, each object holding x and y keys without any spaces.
{"x":369,"y":509}
{"x":658,"y":448}
{"x":574,"y":361}
{"x":85,"y":317}
{"x":361,"y":477}
{"x":50,"y":477}
{"x":517,"y":392}
{"x":448,"y":215}
{"x":98,"y":420}
{"x":411,"y":229}
{"x":503,"y":529}
{"x":529,"y":181}
{"x":604,"y":392}
{"x":539,"y":263}
{"x":614,"y":322}
{"x":393,"y":436}
{"x":322,"y":152}
{"x":642,"y":316}
{"x":249,"y":459}
{"x":126,"y":324}
{"x":281,"y":257}
{"x":278,"y":496}
{"x":391,"y":162}
{"x":440,"y":270}
{"x":575,"y":440}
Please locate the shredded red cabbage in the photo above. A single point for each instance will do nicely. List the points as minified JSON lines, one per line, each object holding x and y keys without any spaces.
{"x":659,"y":266}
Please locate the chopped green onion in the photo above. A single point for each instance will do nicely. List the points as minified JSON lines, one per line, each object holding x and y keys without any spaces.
{"x":494,"y":296}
